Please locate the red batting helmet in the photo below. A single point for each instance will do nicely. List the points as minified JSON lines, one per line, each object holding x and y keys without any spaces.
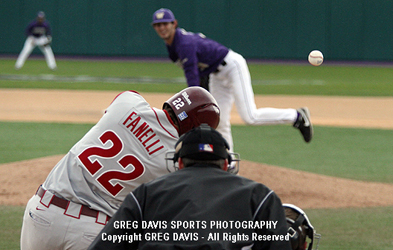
{"x":194,"y":106}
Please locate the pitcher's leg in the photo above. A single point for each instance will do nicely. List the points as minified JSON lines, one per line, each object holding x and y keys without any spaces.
{"x":224,"y":97}
{"x":245,"y":102}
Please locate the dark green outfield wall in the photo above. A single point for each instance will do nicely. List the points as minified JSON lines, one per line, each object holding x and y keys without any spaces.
{"x":260,"y":29}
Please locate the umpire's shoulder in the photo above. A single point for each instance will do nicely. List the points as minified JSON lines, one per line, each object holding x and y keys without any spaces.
{"x":248,"y":180}
{"x":253,"y":185}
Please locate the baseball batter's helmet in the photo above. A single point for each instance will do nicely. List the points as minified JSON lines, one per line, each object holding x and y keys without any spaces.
{"x":299,"y":228}
{"x":163,"y":16}
{"x":192,"y":107}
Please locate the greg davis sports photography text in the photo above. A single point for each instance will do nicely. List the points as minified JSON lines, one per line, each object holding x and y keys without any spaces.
{"x":232,"y":231}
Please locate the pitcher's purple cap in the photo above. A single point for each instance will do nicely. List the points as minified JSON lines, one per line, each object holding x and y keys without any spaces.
{"x":163,"y":16}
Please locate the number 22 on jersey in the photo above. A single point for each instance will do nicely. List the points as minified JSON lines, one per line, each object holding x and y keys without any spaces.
{"x":115,"y":149}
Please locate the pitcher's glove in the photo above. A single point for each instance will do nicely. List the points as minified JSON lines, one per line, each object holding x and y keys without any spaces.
{"x":49,"y":38}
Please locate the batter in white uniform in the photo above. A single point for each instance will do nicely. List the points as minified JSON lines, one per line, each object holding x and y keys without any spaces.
{"x":230,"y":81}
{"x":123,"y":150}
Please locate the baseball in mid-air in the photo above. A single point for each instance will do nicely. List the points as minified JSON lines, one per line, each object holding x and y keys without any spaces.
{"x":315,"y":57}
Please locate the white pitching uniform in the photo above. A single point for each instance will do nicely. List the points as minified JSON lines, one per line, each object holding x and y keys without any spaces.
{"x":123,"y":150}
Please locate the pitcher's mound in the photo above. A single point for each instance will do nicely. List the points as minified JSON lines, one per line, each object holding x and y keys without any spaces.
{"x":20,"y":181}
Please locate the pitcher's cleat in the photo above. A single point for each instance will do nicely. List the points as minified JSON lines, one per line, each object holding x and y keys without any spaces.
{"x":303,"y":123}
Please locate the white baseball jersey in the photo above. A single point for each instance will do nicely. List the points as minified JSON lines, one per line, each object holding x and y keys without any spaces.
{"x":123,"y":150}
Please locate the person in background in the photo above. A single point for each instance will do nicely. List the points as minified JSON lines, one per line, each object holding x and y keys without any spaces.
{"x":39,"y":34}
{"x":225,"y":74}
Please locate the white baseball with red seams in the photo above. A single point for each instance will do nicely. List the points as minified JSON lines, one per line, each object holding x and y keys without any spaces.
{"x":315,"y":58}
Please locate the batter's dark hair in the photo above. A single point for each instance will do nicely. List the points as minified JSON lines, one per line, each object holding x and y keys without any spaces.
{"x":172,"y":114}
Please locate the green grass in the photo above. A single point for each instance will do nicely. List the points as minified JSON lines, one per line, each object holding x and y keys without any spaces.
{"x":94,"y":68}
{"x":284,"y":79}
{"x":161,"y":88}
{"x":353,"y":228}
{"x":10,"y":226}
{"x":322,"y":80}
{"x":21,"y":141}
{"x":362,"y":154}
{"x":36,"y":67}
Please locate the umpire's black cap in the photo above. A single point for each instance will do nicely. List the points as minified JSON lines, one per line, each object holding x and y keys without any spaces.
{"x":202,"y":143}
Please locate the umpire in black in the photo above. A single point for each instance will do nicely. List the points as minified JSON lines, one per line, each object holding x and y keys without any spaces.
{"x":201,"y":206}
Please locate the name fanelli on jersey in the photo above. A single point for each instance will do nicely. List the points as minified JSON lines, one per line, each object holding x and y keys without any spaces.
{"x":143,"y":132}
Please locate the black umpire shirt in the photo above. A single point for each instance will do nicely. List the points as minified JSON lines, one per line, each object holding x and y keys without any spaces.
{"x":198,"y":207}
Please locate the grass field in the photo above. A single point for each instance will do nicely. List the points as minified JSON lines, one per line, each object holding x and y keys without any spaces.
{"x":287,"y":79}
{"x":363,"y":154}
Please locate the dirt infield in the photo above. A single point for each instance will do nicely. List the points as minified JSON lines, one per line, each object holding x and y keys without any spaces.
{"x":87,"y":106}
{"x":305,"y":189}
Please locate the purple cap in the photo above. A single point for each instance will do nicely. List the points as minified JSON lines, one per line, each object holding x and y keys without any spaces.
{"x":163,"y":16}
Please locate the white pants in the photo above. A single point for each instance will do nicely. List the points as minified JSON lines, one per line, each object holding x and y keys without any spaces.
{"x":30,"y":43}
{"x":233,"y":84}
{"x":50,"y":229}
